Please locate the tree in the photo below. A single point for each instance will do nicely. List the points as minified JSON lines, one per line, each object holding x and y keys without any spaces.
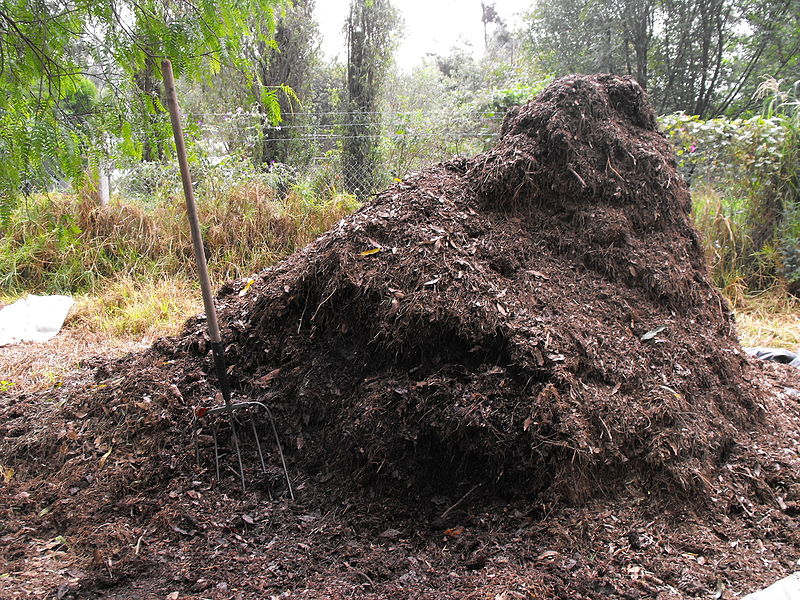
{"x":637,"y":30}
{"x":370,"y":29}
{"x":488,"y":15}
{"x":770,"y":50}
{"x":287,"y":62}
{"x":704,"y":57}
{"x":561,"y":36}
{"x":49,"y":49}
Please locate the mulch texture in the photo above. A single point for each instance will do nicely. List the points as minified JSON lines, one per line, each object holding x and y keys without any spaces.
{"x":505,"y":377}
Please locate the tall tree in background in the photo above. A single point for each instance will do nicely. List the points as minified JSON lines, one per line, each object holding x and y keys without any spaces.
{"x":500,"y":44}
{"x":704,"y":57}
{"x":772,"y":49}
{"x":690,"y":53}
{"x":637,"y":35}
{"x":370,"y":30}
{"x":287,"y":62}
{"x":562,"y":35}
{"x":488,"y":15}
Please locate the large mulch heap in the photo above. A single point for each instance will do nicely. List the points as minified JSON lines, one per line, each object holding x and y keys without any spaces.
{"x":505,"y":377}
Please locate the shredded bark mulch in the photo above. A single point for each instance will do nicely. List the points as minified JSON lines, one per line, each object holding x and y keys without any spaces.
{"x":505,"y":377}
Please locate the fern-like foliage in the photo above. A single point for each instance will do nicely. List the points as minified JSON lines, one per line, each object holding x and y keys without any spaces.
{"x":79,"y":78}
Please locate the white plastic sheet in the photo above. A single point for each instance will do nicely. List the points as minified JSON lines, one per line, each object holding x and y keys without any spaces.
{"x":33,"y":319}
{"x":787,"y":588}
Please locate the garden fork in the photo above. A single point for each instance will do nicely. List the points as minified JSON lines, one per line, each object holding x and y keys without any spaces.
{"x":227,"y":407}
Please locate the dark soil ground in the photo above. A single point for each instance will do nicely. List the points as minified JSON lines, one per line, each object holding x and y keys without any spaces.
{"x":505,"y":377}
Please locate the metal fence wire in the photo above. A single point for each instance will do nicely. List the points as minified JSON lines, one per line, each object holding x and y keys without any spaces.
{"x":360,"y":152}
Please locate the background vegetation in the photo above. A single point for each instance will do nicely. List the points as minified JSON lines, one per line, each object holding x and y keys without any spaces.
{"x":284,"y":142}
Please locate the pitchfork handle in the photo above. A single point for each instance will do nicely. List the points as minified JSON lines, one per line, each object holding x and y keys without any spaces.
{"x":197,"y":238}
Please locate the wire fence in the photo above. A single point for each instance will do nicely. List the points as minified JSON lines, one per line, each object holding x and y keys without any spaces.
{"x":359,"y":152}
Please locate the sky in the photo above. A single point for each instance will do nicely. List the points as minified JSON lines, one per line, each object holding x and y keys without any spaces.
{"x":430,"y":26}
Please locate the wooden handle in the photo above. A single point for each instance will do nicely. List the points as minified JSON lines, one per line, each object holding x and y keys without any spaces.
{"x":191,"y":208}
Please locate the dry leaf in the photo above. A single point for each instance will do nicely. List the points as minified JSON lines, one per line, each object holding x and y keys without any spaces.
{"x":394,"y":306}
{"x":391,"y":533}
{"x":104,"y":458}
{"x":97,"y":558}
{"x":652,"y":333}
{"x":307,"y":518}
{"x":246,"y":287}
{"x":268,"y":377}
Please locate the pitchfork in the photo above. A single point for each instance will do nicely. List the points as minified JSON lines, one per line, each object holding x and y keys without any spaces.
{"x":228,"y":407}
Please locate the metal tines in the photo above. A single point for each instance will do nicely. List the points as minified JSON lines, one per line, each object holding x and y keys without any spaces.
{"x":248,"y":409}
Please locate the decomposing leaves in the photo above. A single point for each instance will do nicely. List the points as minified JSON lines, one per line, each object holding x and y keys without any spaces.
{"x":104,"y":458}
{"x":652,"y":333}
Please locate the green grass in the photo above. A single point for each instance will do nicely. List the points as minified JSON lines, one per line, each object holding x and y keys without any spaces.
{"x":67,"y":244}
{"x":134,"y":308}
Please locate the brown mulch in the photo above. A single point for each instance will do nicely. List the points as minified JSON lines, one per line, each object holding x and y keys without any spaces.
{"x":505,"y":377}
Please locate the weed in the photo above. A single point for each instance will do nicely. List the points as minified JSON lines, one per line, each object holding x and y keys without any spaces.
{"x":752,"y":222}
{"x":721,"y":222}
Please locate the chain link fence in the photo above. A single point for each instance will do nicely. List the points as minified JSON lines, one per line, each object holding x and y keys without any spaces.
{"x":360,"y":153}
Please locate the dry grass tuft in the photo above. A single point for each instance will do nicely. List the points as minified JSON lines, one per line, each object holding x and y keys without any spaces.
{"x":33,"y":367}
{"x":770,"y":319}
{"x":137,"y":308}
{"x":62,"y":243}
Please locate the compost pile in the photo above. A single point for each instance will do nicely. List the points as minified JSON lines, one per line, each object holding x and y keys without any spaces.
{"x":540,"y":315}
{"x":508,"y":373}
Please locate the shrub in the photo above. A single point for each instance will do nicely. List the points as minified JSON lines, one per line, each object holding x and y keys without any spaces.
{"x":752,"y":218}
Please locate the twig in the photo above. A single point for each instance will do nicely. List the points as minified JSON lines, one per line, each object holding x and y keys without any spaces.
{"x":314,"y":316}
{"x":571,"y":170}
{"x":139,"y":543}
{"x":365,"y":576}
{"x":457,"y":504}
